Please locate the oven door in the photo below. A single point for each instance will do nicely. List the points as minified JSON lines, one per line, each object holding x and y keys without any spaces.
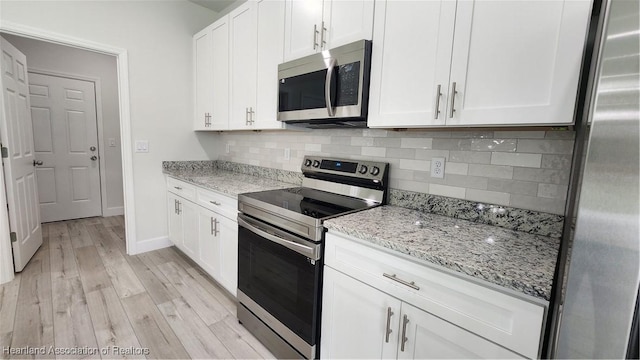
{"x":280,"y":274}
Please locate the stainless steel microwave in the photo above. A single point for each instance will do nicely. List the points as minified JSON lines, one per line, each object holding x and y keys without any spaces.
{"x":327,"y":89}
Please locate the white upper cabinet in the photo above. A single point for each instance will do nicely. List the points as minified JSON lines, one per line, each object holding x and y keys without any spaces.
{"x":512,"y":62}
{"x":220,"y":50}
{"x":202,"y":54}
{"x":243,"y":64}
{"x":255,"y":50}
{"x":315,"y":25}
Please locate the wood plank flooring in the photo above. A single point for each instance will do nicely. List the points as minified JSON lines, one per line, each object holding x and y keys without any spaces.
{"x":81,"y":292}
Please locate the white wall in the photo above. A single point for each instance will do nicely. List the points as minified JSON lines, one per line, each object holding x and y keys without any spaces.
{"x":67,"y":60}
{"x":157,"y":36}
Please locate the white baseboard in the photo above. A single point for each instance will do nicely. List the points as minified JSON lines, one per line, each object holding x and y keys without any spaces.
{"x":152,"y":244}
{"x":113,"y":211}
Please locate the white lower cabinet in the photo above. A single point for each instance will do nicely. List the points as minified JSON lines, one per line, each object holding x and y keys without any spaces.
{"x":377,"y":304}
{"x":205,"y":229}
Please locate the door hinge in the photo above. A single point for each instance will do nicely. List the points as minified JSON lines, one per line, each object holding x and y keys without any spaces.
{"x":13,"y":237}
{"x":5,"y":152}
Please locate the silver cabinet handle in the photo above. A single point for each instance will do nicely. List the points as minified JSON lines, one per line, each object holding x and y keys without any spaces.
{"x":315,"y":36}
{"x":212,"y":231}
{"x":323,"y":31}
{"x":438,"y":95}
{"x":251,"y":112}
{"x":453,"y":98}
{"x":405,"y":321}
{"x":389,"y":331}
{"x":37,"y":162}
{"x":327,"y":87}
{"x":175,"y":206}
{"x":215,"y":203}
{"x":179,"y":209}
{"x":215,"y":229}
{"x":177,"y":187}
{"x":246,"y":116}
{"x":403,"y":282}
{"x":207,"y":119}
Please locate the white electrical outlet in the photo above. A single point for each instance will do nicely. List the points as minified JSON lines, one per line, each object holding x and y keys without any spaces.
{"x":142,"y":146}
{"x":112,"y":142}
{"x":437,"y":168}
{"x":287,"y":154}
{"x":228,"y":148}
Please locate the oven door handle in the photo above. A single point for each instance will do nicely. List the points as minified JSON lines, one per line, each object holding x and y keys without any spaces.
{"x":308,"y":251}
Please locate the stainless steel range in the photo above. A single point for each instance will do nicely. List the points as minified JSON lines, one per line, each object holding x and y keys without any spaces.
{"x":280,"y":237}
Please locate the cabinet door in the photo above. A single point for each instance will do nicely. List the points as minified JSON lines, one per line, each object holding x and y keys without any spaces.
{"x":299,"y":37}
{"x":346,"y":22}
{"x":228,"y":233}
{"x":175,"y":220}
{"x":517,"y":62}
{"x":429,"y":337}
{"x":270,"y":14}
{"x":410,"y":62}
{"x":355,"y":319}
{"x":190,"y":241}
{"x":220,"y":73}
{"x":242,"y":51}
{"x":209,"y":238}
{"x":203,"y":77}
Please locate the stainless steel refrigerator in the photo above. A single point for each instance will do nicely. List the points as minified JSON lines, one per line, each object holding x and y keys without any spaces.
{"x":594,"y":312}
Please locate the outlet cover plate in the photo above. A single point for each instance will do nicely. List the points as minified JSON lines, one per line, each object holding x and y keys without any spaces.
{"x":437,"y":167}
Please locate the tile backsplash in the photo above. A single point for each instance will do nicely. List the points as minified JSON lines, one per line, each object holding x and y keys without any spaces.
{"x":521,"y":169}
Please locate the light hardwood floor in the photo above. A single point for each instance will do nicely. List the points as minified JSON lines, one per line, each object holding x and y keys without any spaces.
{"x":81,"y":291}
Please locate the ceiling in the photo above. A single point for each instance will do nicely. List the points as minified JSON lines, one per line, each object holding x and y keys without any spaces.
{"x":215,"y":5}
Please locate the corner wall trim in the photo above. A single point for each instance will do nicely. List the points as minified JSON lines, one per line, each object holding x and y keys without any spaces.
{"x":125,"y":114}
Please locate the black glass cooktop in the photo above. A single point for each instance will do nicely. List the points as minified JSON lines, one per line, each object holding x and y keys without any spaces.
{"x":314,"y":203}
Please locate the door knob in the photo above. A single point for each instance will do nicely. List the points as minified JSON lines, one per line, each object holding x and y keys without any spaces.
{"x":93,"y":148}
{"x":37,"y":162}
{"x":94,"y":158}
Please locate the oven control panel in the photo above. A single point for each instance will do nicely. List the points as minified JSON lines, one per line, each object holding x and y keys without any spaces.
{"x":370,"y":170}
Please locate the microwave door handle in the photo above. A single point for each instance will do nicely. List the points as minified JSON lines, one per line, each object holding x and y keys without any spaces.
{"x":327,"y":87}
{"x":299,"y":248}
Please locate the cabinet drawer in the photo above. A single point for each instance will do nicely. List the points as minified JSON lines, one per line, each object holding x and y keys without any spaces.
{"x":222,"y":204}
{"x":506,"y":320}
{"x":181,"y":188}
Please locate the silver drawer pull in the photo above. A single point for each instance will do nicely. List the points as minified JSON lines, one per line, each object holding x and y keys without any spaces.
{"x":389,"y":331}
{"x":177,"y":187}
{"x":403,"y":282}
{"x":215,"y":203}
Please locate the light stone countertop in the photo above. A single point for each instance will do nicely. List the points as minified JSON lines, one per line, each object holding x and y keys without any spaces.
{"x":519,"y":261}
{"x":226,"y":182}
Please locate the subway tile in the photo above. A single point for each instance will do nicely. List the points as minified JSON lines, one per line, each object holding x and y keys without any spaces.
{"x":401,"y":153}
{"x":547,"y":176}
{"x":560,"y":134}
{"x":419,"y":134}
{"x":456,"y":168}
{"x":270,"y":145}
{"x":340,"y":150}
{"x":465,"y":181}
{"x":411,"y":185}
{"x":374,"y":133}
{"x":445,"y":190}
{"x":551,"y":161}
{"x":362,"y":141}
{"x":451,"y":144}
{"x":422,"y":154}
{"x":491,"y":171}
{"x":313,"y":147}
{"x":513,"y":186}
{"x":374,"y":151}
{"x":321,"y":139}
{"x":472,"y":134}
{"x":491,"y":197}
{"x":545,"y":146}
{"x":416,"y":143}
{"x":516,"y":159}
{"x":553,"y":206}
{"x":401,"y":174}
{"x":518,"y":134}
{"x":419,"y":165}
{"x":424,"y":176}
{"x":493,"y":145}
{"x":387,"y":142}
{"x":254,"y":150}
{"x":472,"y":157}
{"x":341,"y":140}
{"x":553,"y":191}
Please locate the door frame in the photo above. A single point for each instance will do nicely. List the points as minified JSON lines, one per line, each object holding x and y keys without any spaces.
{"x":100,"y":128}
{"x":121,"y":55}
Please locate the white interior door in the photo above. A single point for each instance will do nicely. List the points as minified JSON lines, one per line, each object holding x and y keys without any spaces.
{"x":66,"y":142}
{"x":20,"y":177}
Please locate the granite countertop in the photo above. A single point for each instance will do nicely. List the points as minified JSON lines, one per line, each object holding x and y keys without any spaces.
{"x":226,"y":182}
{"x":519,"y":261}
